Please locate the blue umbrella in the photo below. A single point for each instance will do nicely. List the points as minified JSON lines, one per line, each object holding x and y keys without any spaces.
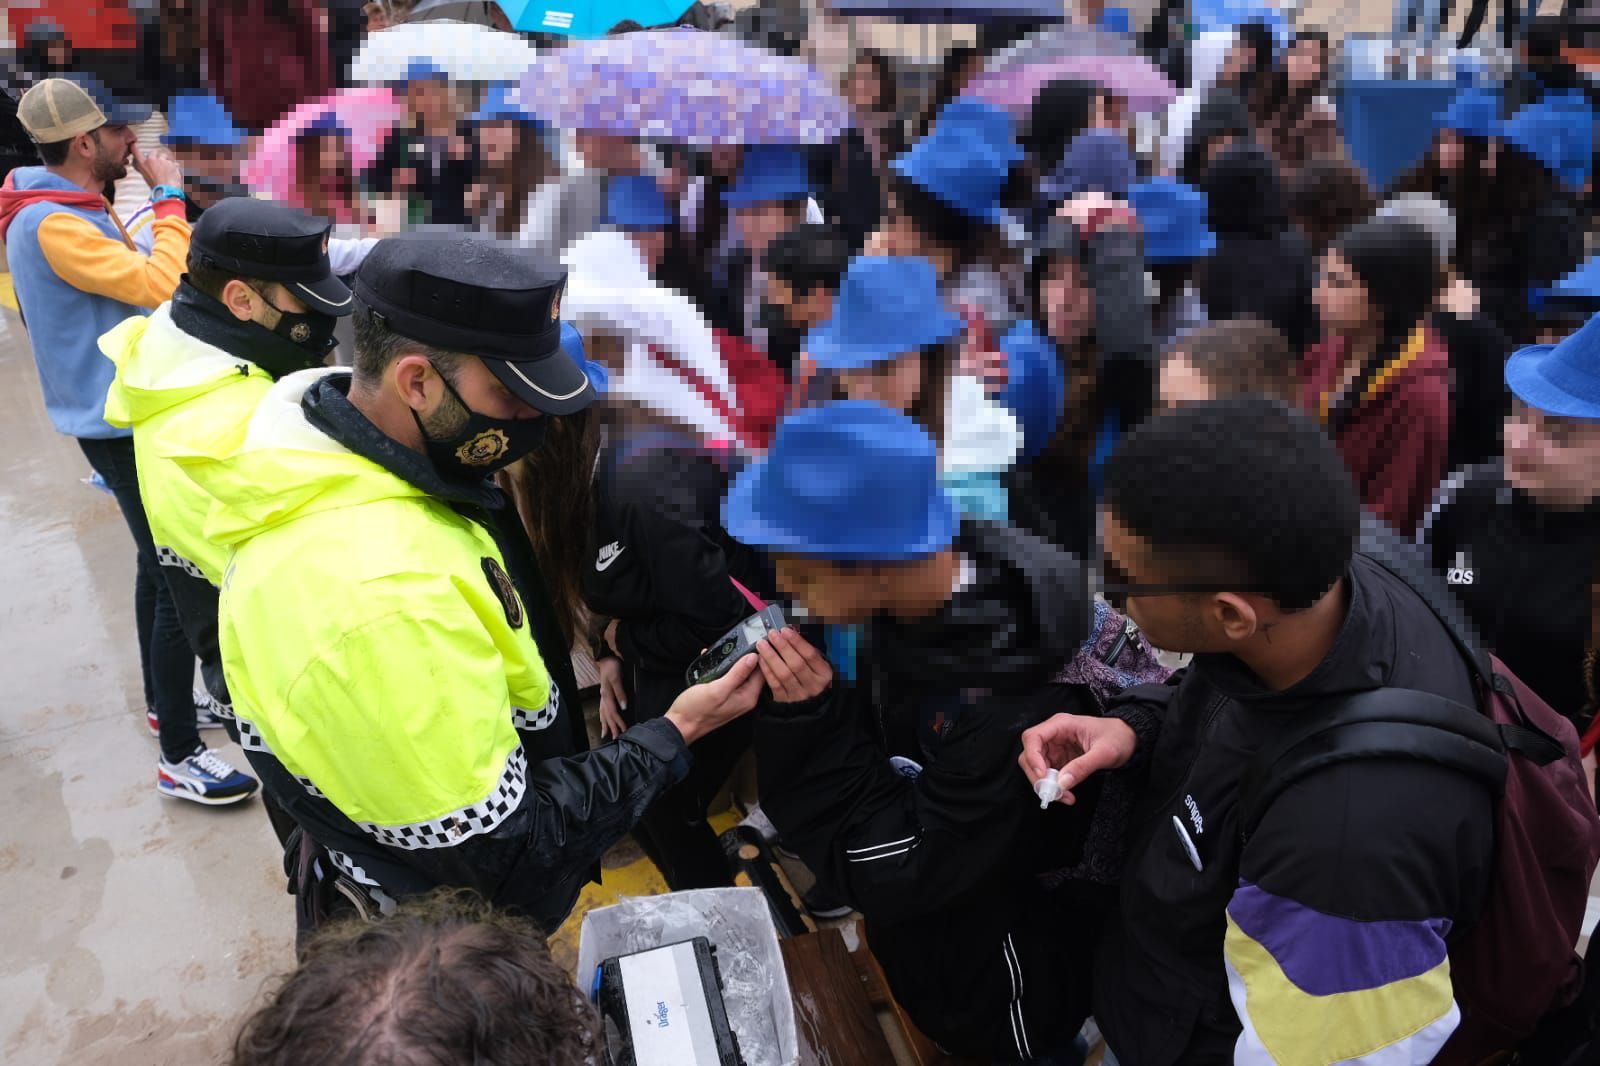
{"x":955,"y":11}
{"x":589,"y":18}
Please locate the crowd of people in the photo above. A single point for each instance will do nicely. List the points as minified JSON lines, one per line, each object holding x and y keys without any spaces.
{"x":1012,"y":409}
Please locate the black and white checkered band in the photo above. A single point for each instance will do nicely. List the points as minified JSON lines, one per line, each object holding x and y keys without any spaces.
{"x":350,"y":869}
{"x":168,"y":557}
{"x":544,"y":717}
{"x":481,"y":817}
{"x":250,"y":739}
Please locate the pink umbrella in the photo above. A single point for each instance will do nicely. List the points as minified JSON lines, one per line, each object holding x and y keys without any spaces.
{"x":1132,"y":77}
{"x":367,"y":115}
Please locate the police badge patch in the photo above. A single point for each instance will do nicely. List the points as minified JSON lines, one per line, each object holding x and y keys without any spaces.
{"x":504,"y":591}
{"x":484,"y":448}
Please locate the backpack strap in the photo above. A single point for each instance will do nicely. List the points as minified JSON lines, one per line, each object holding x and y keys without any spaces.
{"x":1380,"y":723}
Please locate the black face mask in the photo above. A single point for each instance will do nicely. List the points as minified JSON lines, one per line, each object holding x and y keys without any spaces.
{"x":310,"y":330}
{"x":273,"y":350}
{"x":482,"y":445}
{"x":783,"y":338}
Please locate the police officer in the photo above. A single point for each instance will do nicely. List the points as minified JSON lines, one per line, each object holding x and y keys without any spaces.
{"x":390,"y":692}
{"x":259,"y":301}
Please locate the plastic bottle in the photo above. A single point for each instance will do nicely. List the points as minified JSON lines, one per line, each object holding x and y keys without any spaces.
{"x":1048,"y":789}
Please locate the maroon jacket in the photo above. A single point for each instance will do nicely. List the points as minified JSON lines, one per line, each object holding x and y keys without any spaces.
{"x":267,"y":56}
{"x":1396,"y":440}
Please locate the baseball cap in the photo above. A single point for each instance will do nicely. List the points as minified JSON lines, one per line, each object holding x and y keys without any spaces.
{"x":59,"y":109}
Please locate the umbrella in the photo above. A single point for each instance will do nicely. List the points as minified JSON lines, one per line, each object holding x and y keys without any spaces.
{"x":368,"y":115}
{"x":1059,"y":42}
{"x":683,"y":85}
{"x":102,"y":24}
{"x":460,"y":10}
{"x":464,"y":51}
{"x":961,"y":11}
{"x":590,"y":18}
{"x":1133,"y":78}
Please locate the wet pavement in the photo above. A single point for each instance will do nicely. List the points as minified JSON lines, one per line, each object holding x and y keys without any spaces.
{"x":137,"y":929}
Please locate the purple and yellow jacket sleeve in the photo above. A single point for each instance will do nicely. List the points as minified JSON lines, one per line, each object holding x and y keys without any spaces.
{"x":1315,"y":989}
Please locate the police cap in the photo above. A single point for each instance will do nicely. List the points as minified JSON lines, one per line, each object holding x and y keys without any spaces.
{"x":493,"y":299}
{"x":274,"y":242}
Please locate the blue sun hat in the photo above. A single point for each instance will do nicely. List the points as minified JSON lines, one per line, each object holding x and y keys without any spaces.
{"x":886,"y":307}
{"x":1581,"y":287}
{"x":1172,"y":216}
{"x":572,"y":343}
{"x":850,"y":481}
{"x":199,"y":118}
{"x":635,"y":201}
{"x":1474,"y":112}
{"x":1558,"y":131}
{"x":966,"y":159}
{"x":769,"y":172}
{"x":1560,"y":379}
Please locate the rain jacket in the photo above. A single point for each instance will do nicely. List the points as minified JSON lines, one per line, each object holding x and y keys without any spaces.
{"x":398,"y":708}
{"x":77,"y":276}
{"x":180,"y":396}
{"x":901,"y":791}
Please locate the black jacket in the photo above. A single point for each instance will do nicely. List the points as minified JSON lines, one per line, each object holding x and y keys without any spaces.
{"x":441,"y":181}
{"x":1524,"y":574}
{"x":1363,"y":842}
{"x":575,"y":804}
{"x":1479,"y":400}
{"x":1520,"y":254}
{"x":944,"y":849}
{"x":662,"y":562}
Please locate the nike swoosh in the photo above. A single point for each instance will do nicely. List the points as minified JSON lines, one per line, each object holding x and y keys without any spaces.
{"x":605,"y":564}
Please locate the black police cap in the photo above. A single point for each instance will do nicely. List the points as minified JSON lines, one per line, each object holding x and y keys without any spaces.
{"x":493,"y":299}
{"x":274,"y":242}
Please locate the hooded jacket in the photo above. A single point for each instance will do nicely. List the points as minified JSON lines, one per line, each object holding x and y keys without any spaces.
{"x":1261,"y":266}
{"x":394,"y":698}
{"x":1323,"y":939}
{"x":901,"y":791}
{"x":76,"y":277}
{"x":1396,"y":439}
{"x":180,"y":396}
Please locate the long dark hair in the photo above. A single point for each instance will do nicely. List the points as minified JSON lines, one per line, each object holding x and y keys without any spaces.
{"x":528,"y":167}
{"x":554,"y":495}
{"x":1065,"y":459}
{"x":1276,"y":101}
{"x":1258,"y":35}
{"x":945,"y":89}
{"x":888,"y":90}
{"x":1061,"y":111}
{"x":1468,"y":191}
{"x":1398,"y":264}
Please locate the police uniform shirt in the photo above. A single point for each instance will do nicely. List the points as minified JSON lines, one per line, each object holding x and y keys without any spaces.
{"x":1525,"y":574}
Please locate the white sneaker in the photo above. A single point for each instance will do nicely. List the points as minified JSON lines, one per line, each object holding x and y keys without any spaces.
{"x":204,"y":777}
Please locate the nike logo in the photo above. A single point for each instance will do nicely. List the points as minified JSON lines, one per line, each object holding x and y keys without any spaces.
{"x":608,"y":555}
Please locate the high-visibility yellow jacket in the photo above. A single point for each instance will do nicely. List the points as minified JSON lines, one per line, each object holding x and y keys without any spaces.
{"x":392,"y":683}
{"x":180,"y":396}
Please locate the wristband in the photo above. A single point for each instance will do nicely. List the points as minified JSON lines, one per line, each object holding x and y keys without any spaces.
{"x":163,"y":193}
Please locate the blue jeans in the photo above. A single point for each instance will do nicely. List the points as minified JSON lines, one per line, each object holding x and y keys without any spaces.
{"x":165,"y":658}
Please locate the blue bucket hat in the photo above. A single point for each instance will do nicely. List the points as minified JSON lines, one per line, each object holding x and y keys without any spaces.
{"x":200,"y":118}
{"x":498,"y":106}
{"x":1558,"y":131}
{"x":1474,"y":112}
{"x":1173,"y":218}
{"x":324,"y":125}
{"x":420,"y":70}
{"x":886,"y":307}
{"x":635,"y":201}
{"x":1095,"y":161}
{"x":572,"y":343}
{"x":1116,"y":20}
{"x":851,"y":481}
{"x":770,"y":172}
{"x":1035,"y":388}
{"x":966,"y":158}
{"x":1582,"y":286}
{"x":1561,"y":379}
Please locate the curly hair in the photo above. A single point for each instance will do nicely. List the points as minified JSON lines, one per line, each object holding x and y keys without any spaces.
{"x":444,"y":980}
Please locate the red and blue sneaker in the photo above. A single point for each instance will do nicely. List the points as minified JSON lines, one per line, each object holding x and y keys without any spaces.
{"x":204,"y":777}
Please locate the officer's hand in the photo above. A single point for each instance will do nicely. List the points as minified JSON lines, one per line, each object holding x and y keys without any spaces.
{"x":1077,"y":745}
{"x":612,"y":699}
{"x":702,"y":708}
{"x":795,"y":671}
{"x":158,"y":167}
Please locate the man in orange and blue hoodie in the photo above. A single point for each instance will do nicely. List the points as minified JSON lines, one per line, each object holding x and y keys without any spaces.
{"x":77,"y":275}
